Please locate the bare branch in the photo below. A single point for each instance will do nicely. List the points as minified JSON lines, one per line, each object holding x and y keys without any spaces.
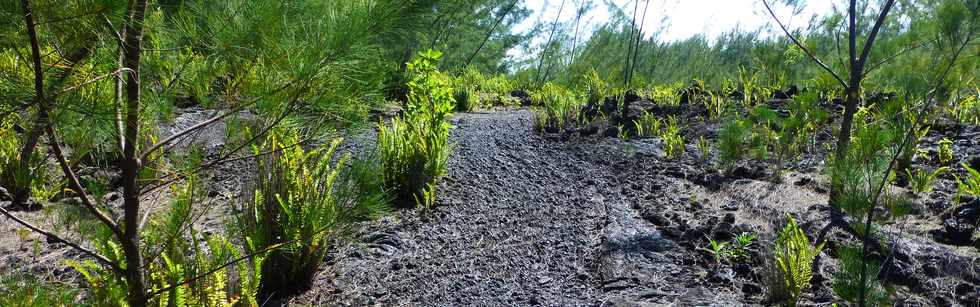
{"x":874,"y":30}
{"x":869,"y":69}
{"x":800,"y":45}
{"x":184,"y":132}
{"x":90,"y":81}
{"x":58,"y":239}
{"x":76,"y":185}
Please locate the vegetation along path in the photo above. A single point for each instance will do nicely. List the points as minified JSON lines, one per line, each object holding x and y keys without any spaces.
{"x":522,"y":221}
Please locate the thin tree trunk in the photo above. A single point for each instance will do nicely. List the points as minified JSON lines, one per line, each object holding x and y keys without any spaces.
{"x":578,"y":17}
{"x":636,"y":47}
{"x":544,"y":51}
{"x":629,"y":45}
{"x":130,"y":164}
{"x":22,"y":191}
{"x":490,"y":33}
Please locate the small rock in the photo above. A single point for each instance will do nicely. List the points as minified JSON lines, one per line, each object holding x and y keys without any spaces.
{"x":657,"y":219}
{"x":722,"y":276}
{"x":751,"y":288}
{"x":973,"y":161}
{"x":611,"y":132}
{"x":956,"y":231}
{"x":4,"y":195}
{"x":587,"y":131}
{"x":899,"y":272}
{"x":617,"y":284}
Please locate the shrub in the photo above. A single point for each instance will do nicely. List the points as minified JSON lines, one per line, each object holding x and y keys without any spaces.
{"x":463,"y":96}
{"x":298,"y":203}
{"x":180,"y":271}
{"x":414,"y":150}
{"x":793,"y":262}
{"x":647,"y":125}
{"x":21,"y":289}
{"x":732,"y":140}
{"x":716,"y":105}
{"x":704,"y":148}
{"x":557,"y":108}
{"x":595,"y":87}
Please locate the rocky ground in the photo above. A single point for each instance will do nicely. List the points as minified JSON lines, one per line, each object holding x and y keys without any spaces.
{"x":525,"y":218}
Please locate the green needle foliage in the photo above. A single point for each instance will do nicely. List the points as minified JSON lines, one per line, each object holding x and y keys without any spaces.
{"x":794,"y":257}
{"x":847,"y":282}
{"x":414,"y":149}
{"x":732,"y":142}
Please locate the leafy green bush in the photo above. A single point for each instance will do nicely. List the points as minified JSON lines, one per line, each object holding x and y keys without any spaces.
{"x":716,"y":105}
{"x":180,"y":271}
{"x":794,"y":257}
{"x":464,"y":98}
{"x":704,"y":148}
{"x":299,"y":203}
{"x":647,"y":125}
{"x":595,"y":88}
{"x":414,"y":150}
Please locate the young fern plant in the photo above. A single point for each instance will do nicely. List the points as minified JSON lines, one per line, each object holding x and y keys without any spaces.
{"x":794,"y":257}
{"x":673,"y":140}
{"x":921,"y":181}
{"x":969,"y":185}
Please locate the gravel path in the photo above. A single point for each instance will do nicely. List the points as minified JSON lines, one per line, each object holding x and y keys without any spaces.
{"x":516,"y":224}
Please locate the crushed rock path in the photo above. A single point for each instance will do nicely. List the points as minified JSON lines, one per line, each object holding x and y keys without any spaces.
{"x":521,"y":220}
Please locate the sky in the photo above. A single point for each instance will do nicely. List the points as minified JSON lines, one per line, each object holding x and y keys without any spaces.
{"x":687,"y":17}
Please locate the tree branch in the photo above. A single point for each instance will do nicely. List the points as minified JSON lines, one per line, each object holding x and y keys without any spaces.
{"x":90,"y":81}
{"x":869,"y":69}
{"x":809,"y":53}
{"x":874,"y":31}
{"x":58,"y":239}
{"x":76,"y":185}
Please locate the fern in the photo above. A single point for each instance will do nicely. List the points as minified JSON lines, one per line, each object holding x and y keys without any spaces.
{"x":794,"y":259}
{"x":969,"y":185}
{"x":921,"y":180}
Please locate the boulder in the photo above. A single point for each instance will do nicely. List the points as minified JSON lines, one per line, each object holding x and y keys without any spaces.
{"x":522,"y":96}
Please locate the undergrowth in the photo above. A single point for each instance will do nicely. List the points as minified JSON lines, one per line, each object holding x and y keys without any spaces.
{"x":413,"y":150}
